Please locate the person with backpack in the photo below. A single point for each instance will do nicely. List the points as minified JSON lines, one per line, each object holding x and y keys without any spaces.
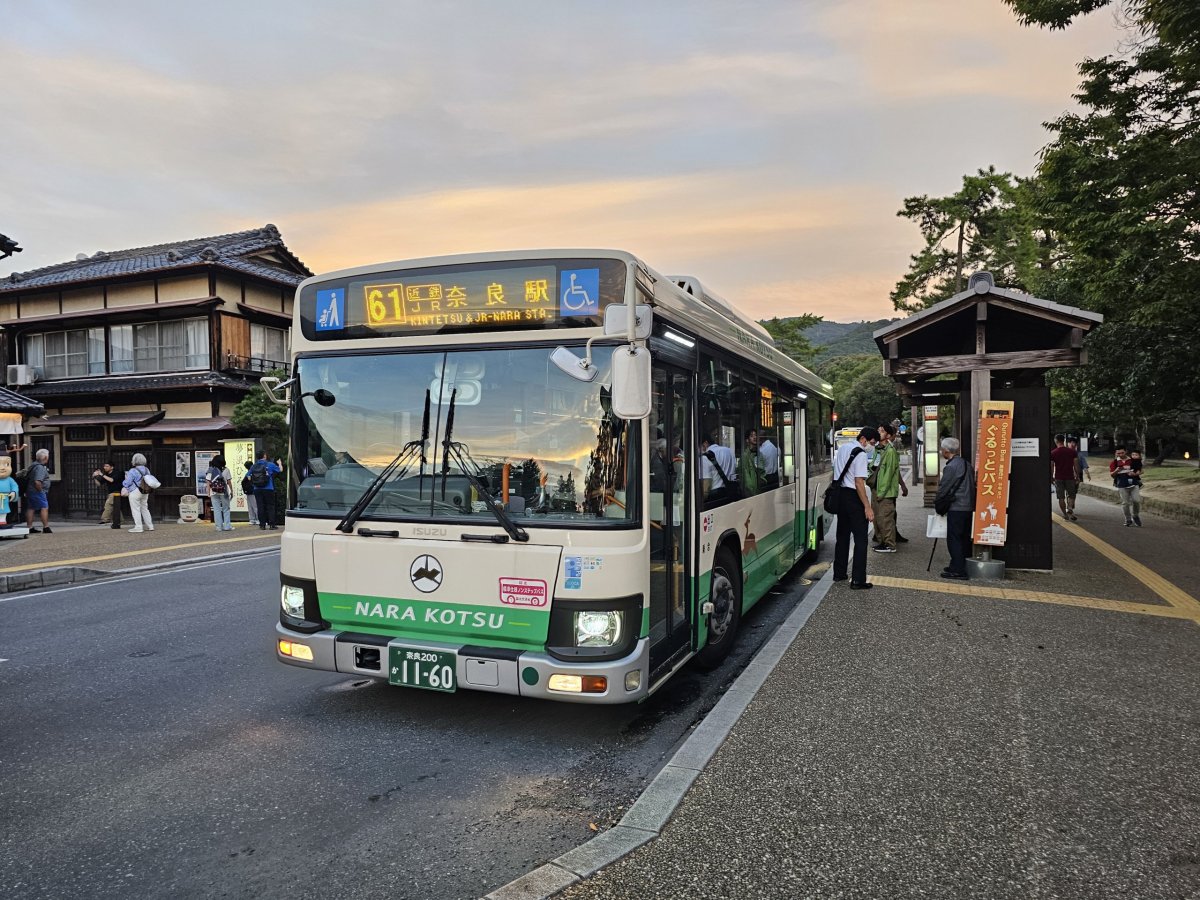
{"x":262,"y":479}
{"x":220,"y":485}
{"x":138,"y":490}
{"x":248,"y":492}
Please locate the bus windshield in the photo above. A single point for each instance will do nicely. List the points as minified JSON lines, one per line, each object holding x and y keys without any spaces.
{"x":545,"y":446}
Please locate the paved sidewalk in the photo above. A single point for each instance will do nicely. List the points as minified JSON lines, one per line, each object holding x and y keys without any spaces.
{"x":1034,"y":737}
{"x":79,"y":550}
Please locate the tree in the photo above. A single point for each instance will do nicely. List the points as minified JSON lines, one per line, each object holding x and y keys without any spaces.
{"x":1118,"y":186}
{"x":989,"y":224}
{"x":863,"y":394}
{"x":256,"y":416}
{"x":789,"y":336}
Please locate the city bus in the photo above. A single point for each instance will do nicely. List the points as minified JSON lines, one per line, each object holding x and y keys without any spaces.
{"x":845,"y":436}
{"x":495,"y":474}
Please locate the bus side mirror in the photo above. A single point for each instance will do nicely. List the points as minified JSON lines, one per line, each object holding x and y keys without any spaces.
{"x":616,"y":321}
{"x":631,"y":382}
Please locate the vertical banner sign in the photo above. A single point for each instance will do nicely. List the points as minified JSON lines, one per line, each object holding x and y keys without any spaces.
{"x":236,"y":452}
{"x":991,"y":473}
{"x":932,"y":461}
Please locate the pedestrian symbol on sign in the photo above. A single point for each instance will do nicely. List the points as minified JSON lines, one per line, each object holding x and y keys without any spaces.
{"x":331,"y":310}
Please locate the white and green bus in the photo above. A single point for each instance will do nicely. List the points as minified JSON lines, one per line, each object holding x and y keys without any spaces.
{"x":496,"y":479}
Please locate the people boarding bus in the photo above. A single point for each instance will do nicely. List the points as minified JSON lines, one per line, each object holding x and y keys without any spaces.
{"x":495,"y":477}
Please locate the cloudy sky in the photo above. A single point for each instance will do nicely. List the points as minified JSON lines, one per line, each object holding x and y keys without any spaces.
{"x":763,"y":147}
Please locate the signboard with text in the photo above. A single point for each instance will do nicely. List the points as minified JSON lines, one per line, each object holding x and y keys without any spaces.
{"x":237,"y":452}
{"x":482,"y":296}
{"x":991,"y":474}
{"x":204,"y":459}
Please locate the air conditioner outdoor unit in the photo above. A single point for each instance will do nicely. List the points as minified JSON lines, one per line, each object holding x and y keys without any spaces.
{"x":20,"y":375}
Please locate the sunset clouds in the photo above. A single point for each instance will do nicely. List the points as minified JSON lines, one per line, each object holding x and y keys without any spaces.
{"x":763,"y":147}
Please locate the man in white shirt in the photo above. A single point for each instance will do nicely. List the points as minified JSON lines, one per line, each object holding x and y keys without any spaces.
{"x":854,"y":509}
{"x":770,"y":457}
{"x":716,"y":472}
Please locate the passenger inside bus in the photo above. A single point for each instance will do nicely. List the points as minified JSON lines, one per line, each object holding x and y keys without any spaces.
{"x":717,"y":471}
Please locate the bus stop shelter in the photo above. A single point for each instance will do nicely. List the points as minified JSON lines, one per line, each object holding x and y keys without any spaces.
{"x":990,"y":343}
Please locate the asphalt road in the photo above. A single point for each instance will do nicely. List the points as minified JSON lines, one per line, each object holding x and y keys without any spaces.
{"x":151,"y":746}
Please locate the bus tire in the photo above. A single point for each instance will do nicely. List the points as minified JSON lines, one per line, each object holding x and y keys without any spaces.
{"x":723,"y":621}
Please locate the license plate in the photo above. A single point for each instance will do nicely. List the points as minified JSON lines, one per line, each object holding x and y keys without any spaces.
{"x":433,"y":670}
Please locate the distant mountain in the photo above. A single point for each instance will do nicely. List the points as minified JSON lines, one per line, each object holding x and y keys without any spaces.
{"x":844,"y":339}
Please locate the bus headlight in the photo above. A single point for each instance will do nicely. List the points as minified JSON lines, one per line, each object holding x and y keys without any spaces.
{"x":597,"y":628}
{"x":291,"y":599}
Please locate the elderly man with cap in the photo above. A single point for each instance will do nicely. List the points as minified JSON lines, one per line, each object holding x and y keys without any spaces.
{"x":854,"y":509}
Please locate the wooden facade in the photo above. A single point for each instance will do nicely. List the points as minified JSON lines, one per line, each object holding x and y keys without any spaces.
{"x":116,"y":397}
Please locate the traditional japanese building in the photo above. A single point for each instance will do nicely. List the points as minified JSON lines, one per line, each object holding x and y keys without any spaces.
{"x":145,"y":350}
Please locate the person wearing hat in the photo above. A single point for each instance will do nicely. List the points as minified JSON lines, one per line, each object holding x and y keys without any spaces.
{"x":854,"y":509}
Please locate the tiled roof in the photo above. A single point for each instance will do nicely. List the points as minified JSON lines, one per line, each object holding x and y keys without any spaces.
{"x":238,"y":251}
{"x":125,"y":384}
{"x":11,"y":401}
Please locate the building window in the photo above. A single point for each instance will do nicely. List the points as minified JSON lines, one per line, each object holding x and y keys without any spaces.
{"x":268,"y":347}
{"x":125,"y":433}
{"x":159,"y":346}
{"x":66,"y":354}
{"x":84,"y":433}
{"x":150,"y":347}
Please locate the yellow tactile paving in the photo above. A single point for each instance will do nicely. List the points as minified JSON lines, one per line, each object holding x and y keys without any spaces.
{"x":142,"y":552}
{"x":1177,"y":597}
{"x":1180,"y":604}
{"x":958,"y":588}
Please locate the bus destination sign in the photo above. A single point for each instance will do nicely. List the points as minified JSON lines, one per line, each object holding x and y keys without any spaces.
{"x":472,"y":299}
{"x":529,"y":294}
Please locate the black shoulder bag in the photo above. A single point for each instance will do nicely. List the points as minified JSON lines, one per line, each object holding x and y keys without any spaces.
{"x":831,"y":492}
{"x":733,"y":490}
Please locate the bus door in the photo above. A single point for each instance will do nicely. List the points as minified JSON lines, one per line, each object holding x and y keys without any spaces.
{"x":799,"y":444}
{"x":672,"y":453}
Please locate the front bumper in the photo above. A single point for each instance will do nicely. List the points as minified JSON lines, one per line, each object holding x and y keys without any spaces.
{"x":524,"y":674}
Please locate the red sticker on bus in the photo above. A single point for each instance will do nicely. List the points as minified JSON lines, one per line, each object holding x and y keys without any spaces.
{"x":523,"y":592}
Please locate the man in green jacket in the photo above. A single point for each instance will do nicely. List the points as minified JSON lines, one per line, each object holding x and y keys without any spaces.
{"x":750,"y":466}
{"x":889,"y":483}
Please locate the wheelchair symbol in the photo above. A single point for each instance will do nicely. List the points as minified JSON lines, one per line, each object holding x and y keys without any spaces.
{"x":575,"y":297}
{"x":582,"y":296}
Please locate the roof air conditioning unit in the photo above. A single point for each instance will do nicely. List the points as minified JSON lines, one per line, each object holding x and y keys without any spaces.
{"x":20,"y":375}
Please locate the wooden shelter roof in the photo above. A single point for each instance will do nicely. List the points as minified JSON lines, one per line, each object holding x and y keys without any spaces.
{"x":1025,"y":335}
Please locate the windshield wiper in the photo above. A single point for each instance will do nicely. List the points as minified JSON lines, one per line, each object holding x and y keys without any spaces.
{"x":515,"y":531}
{"x":402,"y":459}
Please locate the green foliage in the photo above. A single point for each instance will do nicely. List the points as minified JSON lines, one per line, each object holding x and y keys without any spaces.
{"x":1118,"y":183}
{"x":832,"y":339}
{"x":989,"y":224}
{"x":1110,"y":222}
{"x":1053,"y":13}
{"x":864,"y":395}
{"x":790,"y":338}
{"x":257,"y":416}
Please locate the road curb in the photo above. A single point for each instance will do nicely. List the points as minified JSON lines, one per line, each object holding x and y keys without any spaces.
{"x":57,"y":576}
{"x":653,"y":809}
{"x":1180,"y":512}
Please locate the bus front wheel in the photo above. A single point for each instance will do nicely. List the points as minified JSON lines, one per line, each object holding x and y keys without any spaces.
{"x":726,"y":597}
